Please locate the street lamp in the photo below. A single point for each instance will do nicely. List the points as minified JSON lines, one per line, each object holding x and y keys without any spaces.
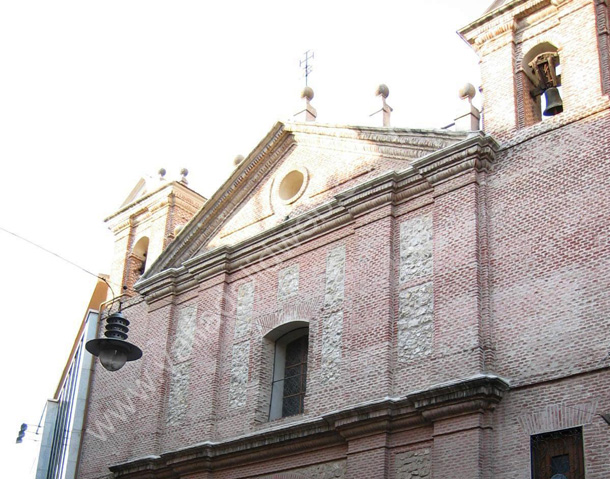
{"x":114,"y":350}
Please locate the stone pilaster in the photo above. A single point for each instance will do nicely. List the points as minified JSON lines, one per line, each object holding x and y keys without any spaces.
{"x":332,"y":323}
{"x":415,"y":248}
{"x":288,"y":282}
{"x":181,"y":365}
{"x":415,"y":326}
{"x":240,"y":362}
{"x":415,"y":322}
{"x":413,"y":464}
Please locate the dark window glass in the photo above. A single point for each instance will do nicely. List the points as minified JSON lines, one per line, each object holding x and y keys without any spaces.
{"x":560,"y":464}
{"x":558,"y":453}
{"x":295,"y":377}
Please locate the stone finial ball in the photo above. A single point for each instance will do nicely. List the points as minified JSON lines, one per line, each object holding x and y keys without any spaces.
{"x":307,"y":93}
{"x":184,"y":172}
{"x":467,"y":91}
{"x":382,"y":90}
{"x":178,"y":229}
{"x":162,"y":172}
{"x":238,"y":159}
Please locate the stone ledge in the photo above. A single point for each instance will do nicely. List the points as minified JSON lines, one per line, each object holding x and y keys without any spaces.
{"x":335,"y":428}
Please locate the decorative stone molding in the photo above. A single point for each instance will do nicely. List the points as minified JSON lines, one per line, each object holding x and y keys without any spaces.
{"x":152,"y":200}
{"x":413,"y":464}
{"x":499,"y":21}
{"x":476,"y":153}
{"x":401,"y":143}
{"x":278,"y":143}
{"x":480,"y":392}
{"x":386,"y":415}
{"x":221,"y":206}
{"x":458,"y":159}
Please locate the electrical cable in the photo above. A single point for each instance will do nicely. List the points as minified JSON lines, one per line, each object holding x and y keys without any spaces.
{"x":60,"y":257}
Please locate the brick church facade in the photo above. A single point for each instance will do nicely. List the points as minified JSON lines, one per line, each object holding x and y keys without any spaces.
{"x":380,"y":302}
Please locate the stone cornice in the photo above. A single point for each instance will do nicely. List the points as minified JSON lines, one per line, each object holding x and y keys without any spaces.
{"x":475,"y":153}
{"x":395,"y":143}
{"x":218,"y":208}
{"x":414,"y":137}
{"x":499,"y":21}
{"x":153,"y":200}
{"x":185,"y":192}
{"x":398,"y":143}
{"x":478,"y":393}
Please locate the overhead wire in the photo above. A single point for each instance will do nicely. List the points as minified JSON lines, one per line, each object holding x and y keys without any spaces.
{"x":46,"y":250}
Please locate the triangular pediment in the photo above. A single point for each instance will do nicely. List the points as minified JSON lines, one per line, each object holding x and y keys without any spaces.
{"x":296,"y":168}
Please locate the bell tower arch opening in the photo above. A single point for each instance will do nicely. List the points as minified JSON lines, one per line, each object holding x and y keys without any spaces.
{"x":146,"y":223}
{"x":140,"y":253}
{"x":541,"y":77}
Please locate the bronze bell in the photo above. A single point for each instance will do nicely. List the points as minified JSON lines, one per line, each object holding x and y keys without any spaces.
{"x":554,"y":104}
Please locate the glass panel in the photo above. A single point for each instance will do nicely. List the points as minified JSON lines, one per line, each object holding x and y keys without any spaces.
{"x":560,"y":464}
{"x":293,"y":354}
{"x":292,"y":372}
{"x":292,"y":386}
{"x":291,"y":406}
{"x":295,"y":377}
{"x":296,"y":351}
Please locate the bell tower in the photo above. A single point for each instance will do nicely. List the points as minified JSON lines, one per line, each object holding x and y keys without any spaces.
{"x":542,"y":61}
{"x":148,"y":220}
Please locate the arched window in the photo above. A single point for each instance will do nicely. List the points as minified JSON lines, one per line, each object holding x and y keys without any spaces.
{"x":289,"y":383}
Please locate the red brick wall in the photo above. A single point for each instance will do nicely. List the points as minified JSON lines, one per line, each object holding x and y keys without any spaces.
{"x":520,"y":289}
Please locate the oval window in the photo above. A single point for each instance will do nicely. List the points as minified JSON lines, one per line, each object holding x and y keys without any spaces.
{"x":291,"y":185}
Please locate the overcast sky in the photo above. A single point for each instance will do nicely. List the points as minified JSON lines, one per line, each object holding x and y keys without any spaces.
{"x":94,"y":95}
